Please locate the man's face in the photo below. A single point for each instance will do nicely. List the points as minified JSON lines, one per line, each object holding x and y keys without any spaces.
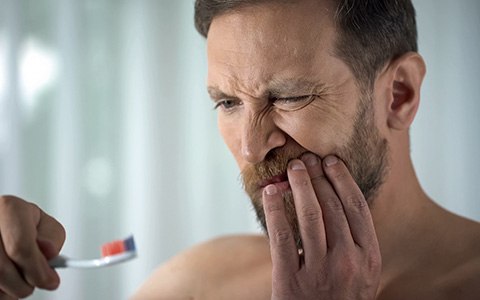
{"x":280,"y":92}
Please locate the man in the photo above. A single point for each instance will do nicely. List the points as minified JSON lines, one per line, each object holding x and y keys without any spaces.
{"x":315,"y":99}
{"x":297,"y":85}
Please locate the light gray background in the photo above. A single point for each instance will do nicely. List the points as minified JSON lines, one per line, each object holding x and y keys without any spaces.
{"x":105,"y":123}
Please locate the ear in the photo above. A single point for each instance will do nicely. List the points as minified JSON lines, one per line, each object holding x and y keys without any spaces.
{"x":405,"y":76}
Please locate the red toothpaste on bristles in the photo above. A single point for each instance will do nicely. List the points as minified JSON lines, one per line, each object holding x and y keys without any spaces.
{"x":118,"y":247}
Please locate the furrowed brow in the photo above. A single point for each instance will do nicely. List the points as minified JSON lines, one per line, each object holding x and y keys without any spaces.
{"x":216,"y":94}
{"x":277,"y":88}
{"x":282,"y":88}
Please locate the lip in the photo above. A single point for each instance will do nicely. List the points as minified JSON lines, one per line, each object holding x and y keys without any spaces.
{"x":275,"y":179}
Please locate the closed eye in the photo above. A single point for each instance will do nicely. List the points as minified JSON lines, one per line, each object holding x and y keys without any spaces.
{"x":293,"y":103}
{"x":291,"y":99}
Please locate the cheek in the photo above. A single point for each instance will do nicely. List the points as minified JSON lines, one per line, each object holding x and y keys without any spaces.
{"x":319,"y":133}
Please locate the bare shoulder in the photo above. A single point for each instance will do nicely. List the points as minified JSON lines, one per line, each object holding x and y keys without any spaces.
{"x":198,"y":271}
{"x":463,"y":280}
{"x":460,"y":278}
{"x":450,"y":269}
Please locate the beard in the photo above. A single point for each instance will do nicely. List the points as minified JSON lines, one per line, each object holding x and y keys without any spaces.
{"x":365,"y":155}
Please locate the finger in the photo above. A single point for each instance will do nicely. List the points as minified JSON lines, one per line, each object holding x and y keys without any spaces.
{"x":51,"y":235}
{"x":354,"y":203}
{"x":283,"y":250}
{"x":11,"y":282}
{"x":19,"y":234}
{"x":335,"y":222}
{"x":4,"y":296}
{"x":309,"y":213}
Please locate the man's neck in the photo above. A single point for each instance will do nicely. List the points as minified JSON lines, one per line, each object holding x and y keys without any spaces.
{"x":403,"y":214}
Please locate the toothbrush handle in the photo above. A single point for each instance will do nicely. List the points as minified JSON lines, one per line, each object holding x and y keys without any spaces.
{"x":59,"y":261}
{"x":66,"y":262}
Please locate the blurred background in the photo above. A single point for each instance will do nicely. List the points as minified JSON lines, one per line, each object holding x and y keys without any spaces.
{"x":106,"y":124}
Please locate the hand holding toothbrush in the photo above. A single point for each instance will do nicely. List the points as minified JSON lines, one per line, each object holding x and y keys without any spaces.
{"x":29,"y":238}
{"x":30,"y":243}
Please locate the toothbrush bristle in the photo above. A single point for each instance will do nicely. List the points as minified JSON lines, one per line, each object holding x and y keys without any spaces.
{"x":118,"y":247}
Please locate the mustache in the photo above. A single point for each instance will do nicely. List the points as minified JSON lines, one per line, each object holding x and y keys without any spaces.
{"x":275,"y":163}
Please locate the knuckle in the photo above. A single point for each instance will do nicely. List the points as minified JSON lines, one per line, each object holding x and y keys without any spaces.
{"x":33,"y":207}
{"x":339,"y":175}
{"x":309,"y":233}
{"x":273,"y":207}
{"x":301,"y":182}
{"x":7,"y":202}
{"x":373,"y":263}
{"x":356,"y":201}
{"x":18,"y":250}
{"x":349,"y":267}
{"x":311,"y":214}
{"x":333,"y":204}
{"x":282,"y":236}
{"x":319,"y":178}
{"x":55,"y":230}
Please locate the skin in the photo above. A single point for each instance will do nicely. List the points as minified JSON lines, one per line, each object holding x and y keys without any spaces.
{"x":29,"y":238}
{"x":402,"y":247}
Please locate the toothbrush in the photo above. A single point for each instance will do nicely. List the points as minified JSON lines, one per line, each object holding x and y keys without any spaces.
{"x":112,"y":253}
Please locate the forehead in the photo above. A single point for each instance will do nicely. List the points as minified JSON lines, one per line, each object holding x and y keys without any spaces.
{"x":269,"y":42}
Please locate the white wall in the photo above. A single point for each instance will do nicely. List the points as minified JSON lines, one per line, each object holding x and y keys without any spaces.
{"x":445,"y":135}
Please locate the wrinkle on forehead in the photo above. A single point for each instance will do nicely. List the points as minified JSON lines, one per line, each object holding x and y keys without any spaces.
{"x":254,"y":45}
{"x":229,"y":86}
{"x":277,"y":29}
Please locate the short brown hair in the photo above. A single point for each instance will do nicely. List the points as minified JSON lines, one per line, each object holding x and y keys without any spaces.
{"x":371,"y":32}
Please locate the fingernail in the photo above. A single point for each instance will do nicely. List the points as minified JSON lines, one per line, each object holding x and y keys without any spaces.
{"x":330,"y":160}
{"x":297,"y":165}
{"x":310,"y":159}
{"x":271,"y":189}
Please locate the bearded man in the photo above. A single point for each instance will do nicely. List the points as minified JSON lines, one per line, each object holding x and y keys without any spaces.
{"x":315,"y":99}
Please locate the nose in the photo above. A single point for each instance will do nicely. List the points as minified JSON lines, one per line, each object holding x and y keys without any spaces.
{"x":260,"y":135}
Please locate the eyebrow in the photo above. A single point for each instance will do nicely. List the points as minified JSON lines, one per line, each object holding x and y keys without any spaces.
{"x":293,"y":86}
{"x":277,"y":88}
{"x":215,"y":93}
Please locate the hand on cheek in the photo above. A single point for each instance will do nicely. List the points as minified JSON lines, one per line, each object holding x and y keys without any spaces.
{"x":341,"y":257}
